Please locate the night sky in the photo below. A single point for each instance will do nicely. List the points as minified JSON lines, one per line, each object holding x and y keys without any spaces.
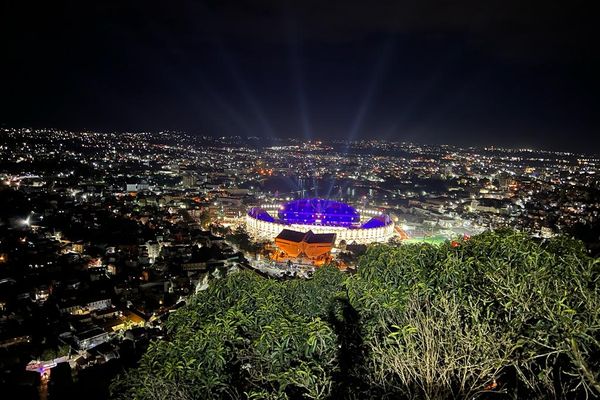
{"x":506,"y":73}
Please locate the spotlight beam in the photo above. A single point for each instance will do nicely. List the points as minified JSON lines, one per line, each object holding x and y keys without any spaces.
{"x":183,"y":83}
{"x":372,"y":87}
{"x":295,"y":60}
{"x":243,"y":88}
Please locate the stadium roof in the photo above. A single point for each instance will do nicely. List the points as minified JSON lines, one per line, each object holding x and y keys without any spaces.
{"x":292,"y":236}
{"x":307,"y":237}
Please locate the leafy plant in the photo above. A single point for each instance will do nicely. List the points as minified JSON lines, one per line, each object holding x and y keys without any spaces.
{"x":499,"y":313}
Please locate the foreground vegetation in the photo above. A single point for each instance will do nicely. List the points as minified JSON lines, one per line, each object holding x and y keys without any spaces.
{"x":498,"y":316}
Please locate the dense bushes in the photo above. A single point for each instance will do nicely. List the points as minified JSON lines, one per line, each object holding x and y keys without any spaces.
{"x":499,"y":313}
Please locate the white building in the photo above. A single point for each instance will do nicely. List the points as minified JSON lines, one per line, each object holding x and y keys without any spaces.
{"x":266,"y":230}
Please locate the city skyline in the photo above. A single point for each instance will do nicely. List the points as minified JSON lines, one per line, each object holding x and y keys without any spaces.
{"x":508,"y":74}
{"x":265,"y":141}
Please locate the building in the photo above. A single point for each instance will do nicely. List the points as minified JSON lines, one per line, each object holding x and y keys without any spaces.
{"x":309,"y":244}
{"x":189,"y":180}
{"x":153,"y":249}
{"x":90,"y":338}
{"x":77,"y":246}
{"x":209,"y":257}
{"x":137,"y":187}
{"x":493,"y":206}
{"x":320,"y":216}
{"x":81,"y":306}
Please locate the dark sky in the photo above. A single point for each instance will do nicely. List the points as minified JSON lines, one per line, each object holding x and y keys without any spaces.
{"x":474,"y":72}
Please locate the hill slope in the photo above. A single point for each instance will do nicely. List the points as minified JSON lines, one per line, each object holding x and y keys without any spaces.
{"x":498,"y":313}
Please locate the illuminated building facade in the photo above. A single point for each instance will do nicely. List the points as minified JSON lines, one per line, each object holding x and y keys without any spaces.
{"x":320,"y":216}
{"x":309,"y":244}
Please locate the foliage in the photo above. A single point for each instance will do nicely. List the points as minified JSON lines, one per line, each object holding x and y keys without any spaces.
{"x":245,"y":334}
{"x":498,"y":313}
{"x":220,"y":230}
{"x":205,"y":219}
{"x":52,"y":353}
{"x":241,"y":238}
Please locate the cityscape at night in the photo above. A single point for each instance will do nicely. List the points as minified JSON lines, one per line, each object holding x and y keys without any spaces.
{"x":281,"y":200}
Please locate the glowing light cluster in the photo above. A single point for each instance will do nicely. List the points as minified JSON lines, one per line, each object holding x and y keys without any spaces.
{"x":319,"y":216}
{"x":317,"y":211}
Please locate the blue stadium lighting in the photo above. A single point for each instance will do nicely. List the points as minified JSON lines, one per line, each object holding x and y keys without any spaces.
{"x":317,"y":211}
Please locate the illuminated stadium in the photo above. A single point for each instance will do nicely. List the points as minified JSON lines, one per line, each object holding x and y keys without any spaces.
{"x":320,"y":216}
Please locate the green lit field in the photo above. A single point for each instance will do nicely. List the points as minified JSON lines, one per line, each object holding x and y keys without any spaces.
{"x":429,"y":239}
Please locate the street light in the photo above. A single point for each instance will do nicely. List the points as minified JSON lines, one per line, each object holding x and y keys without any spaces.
{"x":27,"y":221}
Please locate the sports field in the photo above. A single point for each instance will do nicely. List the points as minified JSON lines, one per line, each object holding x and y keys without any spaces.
{"x":428,"y":239}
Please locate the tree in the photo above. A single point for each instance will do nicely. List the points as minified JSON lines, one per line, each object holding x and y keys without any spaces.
{"x":52,"y":353}
{"x":500,"y":312}
{"x":204,"y":219}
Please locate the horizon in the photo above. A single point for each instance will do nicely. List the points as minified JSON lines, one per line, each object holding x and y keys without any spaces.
{"x":506,"y":74}
{"x":480,"y":147}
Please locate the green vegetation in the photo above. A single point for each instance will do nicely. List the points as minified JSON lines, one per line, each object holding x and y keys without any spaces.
{"x":205,"y":219}
{"x":500,"y":313}
{"x":52,"y":353}
{"x":242,"y":240}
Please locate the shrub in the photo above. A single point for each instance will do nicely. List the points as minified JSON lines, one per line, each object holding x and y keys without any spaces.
{"x":500,"y":313}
